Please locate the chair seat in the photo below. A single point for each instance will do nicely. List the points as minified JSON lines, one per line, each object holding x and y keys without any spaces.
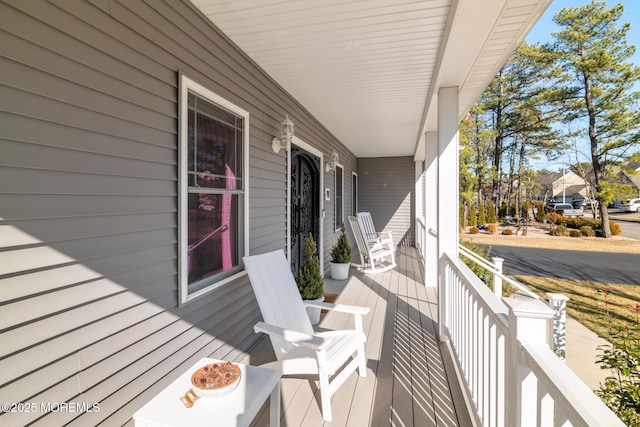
{"x":343,"y":344}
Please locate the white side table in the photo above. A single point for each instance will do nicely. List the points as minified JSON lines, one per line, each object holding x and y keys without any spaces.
{"x":238,"y":408}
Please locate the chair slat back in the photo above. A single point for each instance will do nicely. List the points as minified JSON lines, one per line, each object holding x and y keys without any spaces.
{"x":363,"y":247}
{"x":366,"y":223}
{"x":276,"y":292}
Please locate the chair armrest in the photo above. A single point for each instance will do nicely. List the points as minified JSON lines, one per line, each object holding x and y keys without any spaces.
{"x":342,"y":308}
{"x":294,"y":337}
{"x":357,"y":312}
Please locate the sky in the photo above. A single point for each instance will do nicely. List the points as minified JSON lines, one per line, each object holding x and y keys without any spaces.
{"x":541,"y":33}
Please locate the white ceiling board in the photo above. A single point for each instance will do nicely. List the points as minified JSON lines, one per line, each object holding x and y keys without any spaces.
{"x":369,"y":69}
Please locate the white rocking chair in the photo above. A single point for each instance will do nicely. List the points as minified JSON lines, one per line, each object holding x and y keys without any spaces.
{"x":298,"y":348}
{"x":369,"y":230}
{"x":373,"y":251}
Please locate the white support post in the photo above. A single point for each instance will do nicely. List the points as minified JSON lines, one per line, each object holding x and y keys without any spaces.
{"x":497,"y":280}
{"x":431,"y":209}
{"x":447,"y":202}
{"x":558,"y":328}
{"x":419,"y":205}
{"x":527,"y":324}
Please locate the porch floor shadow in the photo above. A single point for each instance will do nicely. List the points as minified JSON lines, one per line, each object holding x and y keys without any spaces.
{"x":410,"y":379}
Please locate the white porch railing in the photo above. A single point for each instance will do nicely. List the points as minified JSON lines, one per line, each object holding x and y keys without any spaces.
{"x":511,"y":375}
{"x":557,"y":302}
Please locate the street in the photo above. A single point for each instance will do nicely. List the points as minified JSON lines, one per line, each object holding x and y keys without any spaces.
{"x":604,"y":267}
{"x":630,"y":229}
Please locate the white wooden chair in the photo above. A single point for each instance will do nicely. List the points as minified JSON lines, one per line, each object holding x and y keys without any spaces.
{"x":298,"y":348}
{"x":369,"y":230}
{"x":376,"y":255}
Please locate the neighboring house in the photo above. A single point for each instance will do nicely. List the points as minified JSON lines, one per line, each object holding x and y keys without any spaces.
{"x":630,"y":178}
{"x":137,"y":169}
{"x":556,"y":185}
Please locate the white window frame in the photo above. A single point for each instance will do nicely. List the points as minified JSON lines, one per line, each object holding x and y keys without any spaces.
{"x":187,"y":85}
{"x":337,"y":226}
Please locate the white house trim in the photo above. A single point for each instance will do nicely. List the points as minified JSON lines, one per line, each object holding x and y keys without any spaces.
{"x":447,"y":204}
{"x":430,"y":213}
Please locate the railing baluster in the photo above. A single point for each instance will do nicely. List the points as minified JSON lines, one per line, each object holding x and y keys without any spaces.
{"x":497,"y":278}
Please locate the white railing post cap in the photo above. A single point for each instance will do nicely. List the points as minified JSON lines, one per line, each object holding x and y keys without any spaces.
{"x":557,"y":297}
{"x":533,"y":309}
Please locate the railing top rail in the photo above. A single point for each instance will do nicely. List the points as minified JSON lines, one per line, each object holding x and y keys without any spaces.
{"x":487,"y":265}
{"x":566,"y":389}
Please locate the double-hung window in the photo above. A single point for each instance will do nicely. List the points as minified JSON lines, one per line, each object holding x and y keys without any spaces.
{"x":339,"y":197}
{"x":213,"y":151}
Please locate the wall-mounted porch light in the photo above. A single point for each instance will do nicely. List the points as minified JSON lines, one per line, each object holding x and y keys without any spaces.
{"x":286,"y":135}
{"x":331,"y":166}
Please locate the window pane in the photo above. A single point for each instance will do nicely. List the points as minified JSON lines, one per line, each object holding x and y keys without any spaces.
{"x":354,"y":195}
{"x":214,"y":146}
{"x":213,"y":233}
{"x":338,"y":198}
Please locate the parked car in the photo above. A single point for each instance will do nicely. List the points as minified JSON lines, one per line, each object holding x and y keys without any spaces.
{"x":578,"y":204}
{"x":565,"y":209}
{"x":631,"y":205}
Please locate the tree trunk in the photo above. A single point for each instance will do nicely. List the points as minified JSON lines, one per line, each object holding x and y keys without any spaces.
{"x":499,"y":141}
{"x":595,"y":160}
{"x":520,"y":166}
{"x":512,"y":166}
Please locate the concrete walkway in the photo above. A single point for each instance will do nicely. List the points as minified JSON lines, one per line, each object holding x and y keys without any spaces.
{"x":582,"y":351}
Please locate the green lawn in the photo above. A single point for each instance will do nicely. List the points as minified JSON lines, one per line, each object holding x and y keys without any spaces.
{"x":591,"y":301}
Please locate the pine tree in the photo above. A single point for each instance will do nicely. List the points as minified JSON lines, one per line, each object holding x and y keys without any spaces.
{"x":596,"y":79}
{"x":473,"y":220}
{"x":491,"y":213}
{"x":482,"y":220}
{"x":341,"y":251}
{"x":309,"y":280}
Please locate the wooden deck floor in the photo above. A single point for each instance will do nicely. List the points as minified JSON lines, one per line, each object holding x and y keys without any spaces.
{"x":407,"y":383}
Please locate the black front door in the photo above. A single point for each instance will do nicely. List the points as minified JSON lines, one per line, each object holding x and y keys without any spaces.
{"x":305,"y":204}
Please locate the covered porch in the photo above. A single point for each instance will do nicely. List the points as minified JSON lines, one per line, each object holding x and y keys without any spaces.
{"x":94,"y":307}
{"x":411,"y":379}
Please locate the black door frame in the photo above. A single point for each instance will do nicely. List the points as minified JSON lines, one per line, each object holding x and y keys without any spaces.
{"x":320,"y":243}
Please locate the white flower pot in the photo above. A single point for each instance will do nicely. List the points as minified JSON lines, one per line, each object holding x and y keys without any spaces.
{"x":313,"y":312}
{"x":339,"y":271}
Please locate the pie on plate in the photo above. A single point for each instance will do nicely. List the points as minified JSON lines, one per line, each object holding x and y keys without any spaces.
{"x":216,"y":379}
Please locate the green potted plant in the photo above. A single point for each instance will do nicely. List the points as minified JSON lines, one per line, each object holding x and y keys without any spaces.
{"x":340,"y":257}
{"x":309,"y":279}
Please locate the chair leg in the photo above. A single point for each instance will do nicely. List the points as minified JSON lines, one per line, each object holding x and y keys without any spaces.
{"x":362,"y":362}
{"x":325,"y":395}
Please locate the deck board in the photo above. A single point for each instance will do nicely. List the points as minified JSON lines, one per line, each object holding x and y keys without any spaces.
{"x":409,"y":382}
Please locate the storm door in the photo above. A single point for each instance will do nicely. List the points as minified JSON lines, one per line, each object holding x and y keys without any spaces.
{"x":305,"y":202}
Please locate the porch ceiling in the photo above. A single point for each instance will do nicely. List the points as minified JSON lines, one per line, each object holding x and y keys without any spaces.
{"x":370,"y":70}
